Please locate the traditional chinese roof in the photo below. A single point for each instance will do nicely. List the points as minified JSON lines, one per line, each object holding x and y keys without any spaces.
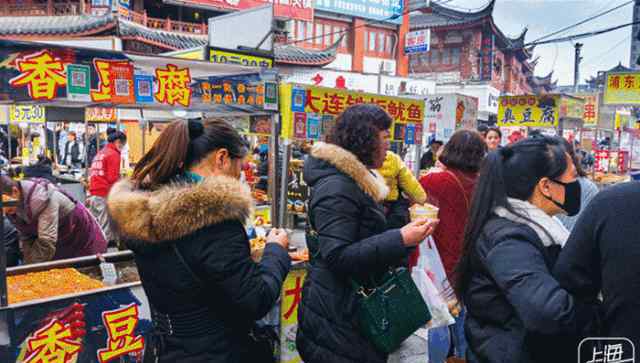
{"x":545,"y":83}
{"x":76,"y":25}
{"x":293,"y":55}
{"x":441,"y":16}
{"x":169,"y":40}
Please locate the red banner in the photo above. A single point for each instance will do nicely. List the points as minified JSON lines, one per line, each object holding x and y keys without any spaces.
{"x":288,"y":9}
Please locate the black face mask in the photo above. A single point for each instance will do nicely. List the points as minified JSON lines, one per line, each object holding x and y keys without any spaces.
{"x":572,"y":197}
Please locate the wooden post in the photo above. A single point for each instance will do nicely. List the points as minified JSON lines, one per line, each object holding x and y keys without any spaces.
{"x":50,"y":7}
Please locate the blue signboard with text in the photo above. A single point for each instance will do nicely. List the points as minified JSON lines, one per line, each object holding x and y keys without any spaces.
{"x":382,"y":10}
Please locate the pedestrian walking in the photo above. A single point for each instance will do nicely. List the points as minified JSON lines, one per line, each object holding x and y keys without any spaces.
{"x":51,"y":224}
{"x":104,"y":173}
{"x":601,"y":256}
{"x":493,"y":138}
{"x":182,"y":215}
{"x":515,"y":307}
{"x":404,"y":190}
{"x":73,"y":152}
{"x":353,"y":244}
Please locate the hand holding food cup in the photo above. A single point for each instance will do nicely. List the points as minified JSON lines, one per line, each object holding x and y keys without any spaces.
{"x":415,"y":232}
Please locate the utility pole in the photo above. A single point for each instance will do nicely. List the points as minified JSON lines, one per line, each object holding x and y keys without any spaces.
{"x":576,"y":69}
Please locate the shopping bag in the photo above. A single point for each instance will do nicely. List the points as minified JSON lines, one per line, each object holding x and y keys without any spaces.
{"x":440,"y":315}
{"x":429,"y":260}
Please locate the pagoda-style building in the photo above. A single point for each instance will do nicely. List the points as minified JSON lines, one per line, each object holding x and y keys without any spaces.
{"x":148,"y":27}
{"x":468,"y":47}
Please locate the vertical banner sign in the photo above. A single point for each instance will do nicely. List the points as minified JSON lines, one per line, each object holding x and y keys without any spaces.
{"x":486,"y":60}
{"x":271,"y":96}
{"x":300,"y":125}
{"x":299,"y":100}
{"x":410,"y":135}
{"x":78,"y":82}
{"x":590,"y":114}
{"x":313,"y":127}
{"x":290,"y":301}
{"x":143,"y":86}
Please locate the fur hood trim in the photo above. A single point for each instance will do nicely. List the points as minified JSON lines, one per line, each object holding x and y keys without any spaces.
{"x":370,"y":181}
{"x":177,"y":210}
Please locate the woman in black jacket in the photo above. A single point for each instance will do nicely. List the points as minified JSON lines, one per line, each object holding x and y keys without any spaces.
{"x":516,"y":310}
{"x":182,"y":214}
{"x":346,"y":213}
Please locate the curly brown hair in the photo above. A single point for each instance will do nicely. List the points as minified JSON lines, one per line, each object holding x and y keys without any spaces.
{"x":357,"y":129}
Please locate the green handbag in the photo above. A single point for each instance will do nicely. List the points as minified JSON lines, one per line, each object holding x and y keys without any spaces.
{"x":389,"y":313}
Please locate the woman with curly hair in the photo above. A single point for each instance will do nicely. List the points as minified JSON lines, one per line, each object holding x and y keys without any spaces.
{"x":345,"y":210}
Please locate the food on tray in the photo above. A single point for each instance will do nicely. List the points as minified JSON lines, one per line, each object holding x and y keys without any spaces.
{"x":45,"y":284}
{"x":260,"y":196}
{"x":423,"y":211}
{"x":300,"y":255}
{"x":602,"y":178}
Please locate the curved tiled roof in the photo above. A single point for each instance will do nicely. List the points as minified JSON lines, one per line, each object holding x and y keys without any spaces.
{"x":290,"y":54}
{"x":440,"y":15}
{"x":174,"y":41}
{"x":55,"y":25}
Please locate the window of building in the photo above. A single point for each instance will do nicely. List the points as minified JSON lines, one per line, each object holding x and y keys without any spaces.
{"x":328,"y":30}
{"x":317,"y":36}
{"x":309,"y":32}
{"x":445,"y":56}
{"x":455,"y":56}
{"x":435,"y":57}
{"x":381,"y":39}
{"x":389,"y":44}
{"x":345,"y":39}
{"x":372,"y":41}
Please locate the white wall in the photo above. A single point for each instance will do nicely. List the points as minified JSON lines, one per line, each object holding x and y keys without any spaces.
{"x":372,"y":65}
{"x":104,"y":43}
{"x":341,"y":63}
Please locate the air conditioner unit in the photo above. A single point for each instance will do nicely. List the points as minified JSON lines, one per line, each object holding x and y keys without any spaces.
{"x":388,"y":67}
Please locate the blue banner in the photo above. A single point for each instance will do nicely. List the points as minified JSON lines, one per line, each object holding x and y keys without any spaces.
{"x":383,"y":10}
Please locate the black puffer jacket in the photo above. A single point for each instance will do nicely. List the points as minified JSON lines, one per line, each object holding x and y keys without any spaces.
{"x":516,"y":310}
{"x":211,"y":318}
{"x":353,"y":244}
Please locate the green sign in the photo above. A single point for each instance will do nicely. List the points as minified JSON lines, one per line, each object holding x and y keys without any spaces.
{"x":78,"y":82}
{"x":271,"y":96}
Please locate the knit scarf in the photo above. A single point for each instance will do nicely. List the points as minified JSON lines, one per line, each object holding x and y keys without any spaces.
{"x":549,"y":229}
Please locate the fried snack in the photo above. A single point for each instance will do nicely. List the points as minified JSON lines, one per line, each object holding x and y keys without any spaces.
{"x":45,"y":284}
{"x":423,"y":211}
{"x":301,"y":255}
{"x":257,"y":247}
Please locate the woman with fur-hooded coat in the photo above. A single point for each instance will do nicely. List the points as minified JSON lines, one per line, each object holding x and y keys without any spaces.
{"x":346,"y":212}
{"x":185,"y":226}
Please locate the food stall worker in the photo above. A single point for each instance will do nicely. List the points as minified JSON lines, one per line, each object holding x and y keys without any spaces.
{"x":73,"y":152}
{"x":104,"y":173}
{"x":50,"y":223}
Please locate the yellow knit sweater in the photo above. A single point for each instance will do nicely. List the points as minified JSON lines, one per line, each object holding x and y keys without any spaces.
{"x":400,"y":179}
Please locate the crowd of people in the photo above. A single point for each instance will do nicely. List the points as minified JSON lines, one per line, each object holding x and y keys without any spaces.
{"x":534,"y":252}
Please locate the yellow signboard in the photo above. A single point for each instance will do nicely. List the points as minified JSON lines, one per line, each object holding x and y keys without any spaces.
{"x":229,"y":57}
{"x":100,"y":114}
{"x":531,"y":110}
{"x":26,"y":113}
{"x":194,"y":54}
{"x":289,"y":304}
{"x":571,"y":107}
{"x":313,"y":109}
{"x":590,"y":114}
{"x":622,"y":89}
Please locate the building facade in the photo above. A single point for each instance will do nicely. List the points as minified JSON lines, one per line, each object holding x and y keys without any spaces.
{"x":469,"y":48}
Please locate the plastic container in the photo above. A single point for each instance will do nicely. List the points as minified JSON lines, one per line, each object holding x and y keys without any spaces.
{"x":424,"y":211}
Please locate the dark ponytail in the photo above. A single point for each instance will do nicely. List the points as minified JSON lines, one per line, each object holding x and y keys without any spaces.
{"x":183,"y":144}
{"x":511,"y":172}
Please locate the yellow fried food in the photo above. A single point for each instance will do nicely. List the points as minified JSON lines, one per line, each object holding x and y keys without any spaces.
{"x":45,"y":284}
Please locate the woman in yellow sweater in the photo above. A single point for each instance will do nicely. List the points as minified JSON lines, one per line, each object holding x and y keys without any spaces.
{"x":404,"y":190}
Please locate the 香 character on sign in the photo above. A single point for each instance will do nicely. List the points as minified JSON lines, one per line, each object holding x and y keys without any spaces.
{"x":52,"y":343}
{"x":309,"y":102}
{"x":121,"y":325}
{"x":174,"y":85}
{"x":296,"y":292}
{"x":333,"y":103}
{"x":42,"y":73}
{"x":614,"y":82}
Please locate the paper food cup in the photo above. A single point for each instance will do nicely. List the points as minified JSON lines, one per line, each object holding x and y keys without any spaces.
{"x":424,"y":211}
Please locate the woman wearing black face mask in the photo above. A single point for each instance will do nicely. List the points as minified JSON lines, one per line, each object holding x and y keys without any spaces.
{"x":517,"y":312}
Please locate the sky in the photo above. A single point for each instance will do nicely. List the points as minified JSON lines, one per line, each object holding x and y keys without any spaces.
{"x":542,"y":17}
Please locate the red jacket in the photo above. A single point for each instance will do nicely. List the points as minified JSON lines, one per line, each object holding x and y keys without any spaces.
{"x":105,"y":171}
{"x":444,"y":191}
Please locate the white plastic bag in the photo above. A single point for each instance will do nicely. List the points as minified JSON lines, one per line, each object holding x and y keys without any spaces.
{"x":440,"y":315}
{"x":430,"y":261}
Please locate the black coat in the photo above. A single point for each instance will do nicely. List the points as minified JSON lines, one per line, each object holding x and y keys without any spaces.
{"x":203,"y":221}
{"x":516,"y":310}
{"x":602,"y":255}
{"x":353,"y":244}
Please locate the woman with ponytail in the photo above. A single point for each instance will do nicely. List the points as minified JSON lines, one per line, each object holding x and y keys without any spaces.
{"x":182,"y":214}
{"x":516,"y":310}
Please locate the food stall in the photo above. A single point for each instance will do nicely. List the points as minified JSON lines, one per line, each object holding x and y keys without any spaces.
{"x":93,"y":308}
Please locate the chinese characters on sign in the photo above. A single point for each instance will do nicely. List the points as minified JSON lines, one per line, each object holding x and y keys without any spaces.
{"x":42,"y":73}
{"x":227,"y":57}
{"x":534,"y":111}
{"x":606,"y":350}
{"x":590,"y":114}
{"x":121,"y":325}
{"x":486,"y":59}
{"x":417,"y":41}
{"x":26,"y":113}
{"x":290,"y":301}
{"x":622,"y":89}
{"x":100,"y":114}
{"x":174,"y":85}
{"x":53,"y":343}
{"x":232,"y":91}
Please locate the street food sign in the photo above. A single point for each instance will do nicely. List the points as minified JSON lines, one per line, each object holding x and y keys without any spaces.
{"x":223,"y":56}
{"x":590,"y":113}
{"x":417,"y":41}
{"x":622,"y":89}
{"x":530,"y":110}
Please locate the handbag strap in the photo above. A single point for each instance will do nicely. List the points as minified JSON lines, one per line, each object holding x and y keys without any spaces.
{"x":464,"y":194}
